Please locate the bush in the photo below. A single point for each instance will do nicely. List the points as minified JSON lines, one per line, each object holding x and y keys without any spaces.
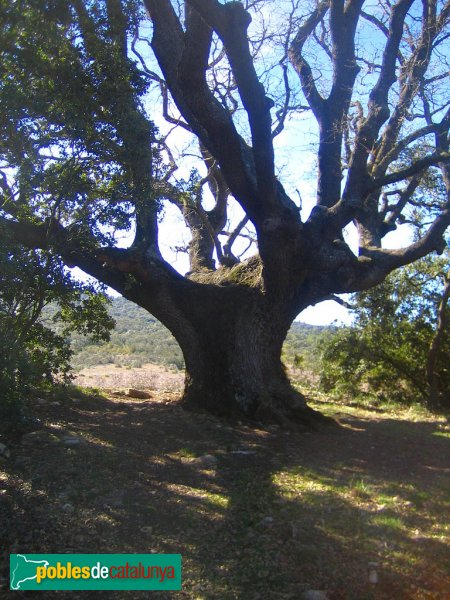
{"x":27,"y":363}
{"x":386,"y":352}
{"x":32,"y":353}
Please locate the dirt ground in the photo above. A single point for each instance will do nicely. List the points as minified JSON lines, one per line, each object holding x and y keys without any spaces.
{"x":272,"y":515}
{"x":149,"y":376}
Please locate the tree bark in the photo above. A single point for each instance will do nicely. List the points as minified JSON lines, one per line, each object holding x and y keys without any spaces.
{"x":232,"y":353}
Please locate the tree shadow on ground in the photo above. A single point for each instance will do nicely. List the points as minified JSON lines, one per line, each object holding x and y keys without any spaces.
{"x":273,"y":515}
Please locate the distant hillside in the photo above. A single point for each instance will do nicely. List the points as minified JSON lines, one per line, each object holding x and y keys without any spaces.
{"x":302,"y":345}
{"x":139,"y":338}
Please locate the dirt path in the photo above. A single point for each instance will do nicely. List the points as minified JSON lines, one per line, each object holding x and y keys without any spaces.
{"x":271,"y":515}
{"x":149,"y":376}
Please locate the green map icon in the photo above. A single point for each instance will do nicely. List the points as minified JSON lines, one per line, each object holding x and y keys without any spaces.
{"x":23,"y":570}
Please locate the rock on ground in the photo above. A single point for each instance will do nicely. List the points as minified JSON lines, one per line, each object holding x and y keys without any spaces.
{"x":139,"y":394}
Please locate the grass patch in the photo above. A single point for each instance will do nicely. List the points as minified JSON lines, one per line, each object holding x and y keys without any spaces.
{"x":360,"y":488}
{"x":186,"y":453}
{"x":443,"y":434}
{"x":391,"y":523}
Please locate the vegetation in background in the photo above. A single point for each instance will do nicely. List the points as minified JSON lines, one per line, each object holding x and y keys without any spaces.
{"x":302,"y":347}
{"x":399,"y":346}
{"x":138,"y":338}
{"x":31,"y":352}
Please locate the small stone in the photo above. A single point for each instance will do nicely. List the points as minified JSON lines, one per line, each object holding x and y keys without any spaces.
{"x":41,"y":401}
{"x":140,"y":394}
{"x":67,"y":507}
{"x":69,"y":442}
{"x":70,"y":439}
{"x":207,"y":461}
{"x":55,"y":403}
{"x":43,"y":438}
{"x":267,"y":521}
{"x":372,"y":568}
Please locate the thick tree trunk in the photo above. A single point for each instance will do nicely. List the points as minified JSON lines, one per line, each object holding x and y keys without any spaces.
{"x":232,"y":352}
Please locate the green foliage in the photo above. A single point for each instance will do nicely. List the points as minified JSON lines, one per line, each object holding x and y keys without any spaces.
{"x":385,"y":353}
{"x":71,"y":128}
{"x":138,"y":338}
{"x":301,"y":347}
{"x":31,"y":353}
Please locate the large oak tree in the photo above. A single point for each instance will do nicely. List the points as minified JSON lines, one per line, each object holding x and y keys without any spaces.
{"x":82,"y":160}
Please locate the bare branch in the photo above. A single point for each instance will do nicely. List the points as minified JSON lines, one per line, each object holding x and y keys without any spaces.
{"x":395,"y":151}
{"x":232,"y":237}
{"x":415,"y":168}
{"x":231,"y":22}
{"x":378,"y":99}
{"x":375,"y":21}
{"x":283,"y":111}
{"x":299,"y":62}
{"x":435,"y":78}
{"x":341,"y":302}
{"x":206,"y":116}
{"x":432,"y":241}
{"x":405,"y":196}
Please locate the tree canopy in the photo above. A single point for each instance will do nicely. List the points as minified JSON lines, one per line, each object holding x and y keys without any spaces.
{"x":82,"y":161}
{"x":32,"y":354}
{"x":398,"y":346}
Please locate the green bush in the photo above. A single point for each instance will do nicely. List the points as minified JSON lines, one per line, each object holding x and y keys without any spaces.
{"x":385,"y":353}
{"x":28,"y":362}
{"x":33,"y":353}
